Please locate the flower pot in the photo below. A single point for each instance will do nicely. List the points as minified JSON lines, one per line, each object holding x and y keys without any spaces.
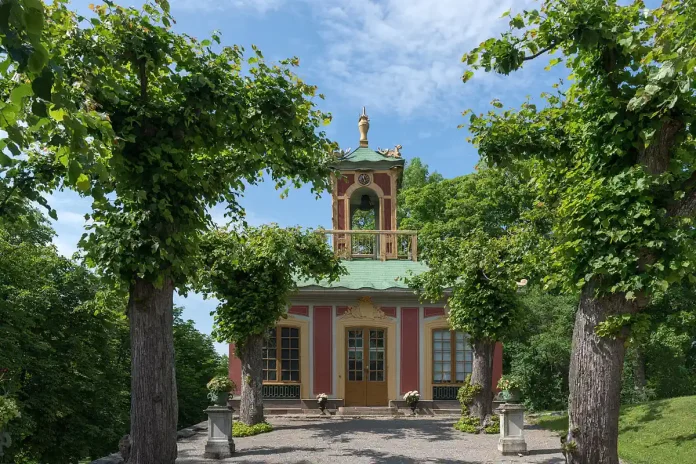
{"x":220,"y":399}
{"x":510,"y":396}
{"x":322,"y":406}
{"x":413,"y":407}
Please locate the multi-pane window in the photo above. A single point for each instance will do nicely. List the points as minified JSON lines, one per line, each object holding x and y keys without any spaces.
{"x":281,"y":355}
{"x":452,"y":356}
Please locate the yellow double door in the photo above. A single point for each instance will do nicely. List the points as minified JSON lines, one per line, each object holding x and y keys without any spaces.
{"x":366,"y":367}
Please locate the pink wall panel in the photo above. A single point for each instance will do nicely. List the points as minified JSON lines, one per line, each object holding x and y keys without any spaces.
{"x":410,"y":342}
{"x":387,"y":216}
{"x":323,"y":348}
{"x":299,"y":310}
{"x":235,"y":370}
{"x":344,"y":182}
{"x":391,"y":312}
{"x":431,"y":312}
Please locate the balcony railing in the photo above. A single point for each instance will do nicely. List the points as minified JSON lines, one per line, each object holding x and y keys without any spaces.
{"x":374,"y":244}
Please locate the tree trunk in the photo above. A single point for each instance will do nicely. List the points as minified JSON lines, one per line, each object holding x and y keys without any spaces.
{"x":482,"y":374}
{"x":154,"y":406}
{"x":251,"y":403}
{"x":595,"y":380}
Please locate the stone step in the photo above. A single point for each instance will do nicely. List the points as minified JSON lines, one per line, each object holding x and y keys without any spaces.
{"x":367,"y":411}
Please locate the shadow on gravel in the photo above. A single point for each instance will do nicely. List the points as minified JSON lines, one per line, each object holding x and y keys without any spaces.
{"x":344,"y":431}
{"x":378,"y":457}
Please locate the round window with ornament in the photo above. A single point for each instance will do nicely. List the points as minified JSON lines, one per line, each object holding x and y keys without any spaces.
{"x":364,"y":179}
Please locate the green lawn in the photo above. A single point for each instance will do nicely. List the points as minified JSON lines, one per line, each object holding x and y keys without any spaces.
{"x":657,"y":432}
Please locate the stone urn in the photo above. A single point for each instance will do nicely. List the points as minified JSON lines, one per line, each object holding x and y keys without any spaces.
{"x":322,"y":405}
{"x":220,"y":399}
{"x":414,"y":406}
{"x":510,"y":396}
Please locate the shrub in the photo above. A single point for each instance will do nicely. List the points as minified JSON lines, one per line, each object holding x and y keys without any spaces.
{"x":493,"y":426}
{"x":539,"y":357}
{"x":468,"y":424}
{"x":240,"y":429}
{"x":466,"y":394}
{"x":8,"y":410}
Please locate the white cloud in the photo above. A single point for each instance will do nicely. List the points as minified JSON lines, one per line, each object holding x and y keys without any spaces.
{"x":397,"y":56}
{"x":403,"y":56}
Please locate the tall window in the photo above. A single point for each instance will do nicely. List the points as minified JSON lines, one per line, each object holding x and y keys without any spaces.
{"x":281,"y":355}
{"x":452,"y":356}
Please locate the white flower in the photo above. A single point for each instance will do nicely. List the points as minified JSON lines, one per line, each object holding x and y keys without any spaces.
{"x":522,"y":283}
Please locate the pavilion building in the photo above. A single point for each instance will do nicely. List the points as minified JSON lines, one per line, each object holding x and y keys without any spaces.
{"x":365,"y":339}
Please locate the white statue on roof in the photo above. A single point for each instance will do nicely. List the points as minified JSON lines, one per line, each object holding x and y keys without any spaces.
{"x":390,"y":152}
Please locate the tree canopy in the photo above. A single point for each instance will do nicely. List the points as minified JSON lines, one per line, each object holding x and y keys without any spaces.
{"x":253,"y":272}
{"x":615,"y":152}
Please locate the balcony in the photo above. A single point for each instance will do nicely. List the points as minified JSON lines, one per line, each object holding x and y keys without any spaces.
{"x":374,"y":244}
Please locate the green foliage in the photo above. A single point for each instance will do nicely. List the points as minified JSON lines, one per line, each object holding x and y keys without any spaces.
{"x":64,"y":345}
{"x":39,"y":113}
{"x":467,"y":393}
{"x":468,"y":424}
{"x":194,"y":124}
{"x":240,"y":429}
{"x":220,"y":384}
{"x":196,"y":362}
{"x":615,"y":149}
{"x":651,"y":433}
{"x":493,"y":426}
{"x":8,"y":411}
{"x":472,"y":424}
{"x":364,"y":220}
{"x":539,"y":353}
{"x":469,"y":230}
{"x":253,"y":272}
{"x":508,"y":382}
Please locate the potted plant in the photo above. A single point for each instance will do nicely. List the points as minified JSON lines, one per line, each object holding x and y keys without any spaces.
{"x":322,"y":398}
{"x":509,"y":388}
{"x":219,"y":389}
{"x":412,"y":398}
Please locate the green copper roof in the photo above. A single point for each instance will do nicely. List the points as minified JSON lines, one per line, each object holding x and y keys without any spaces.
{"x":369,"y":158}
{"x":372,"y":275}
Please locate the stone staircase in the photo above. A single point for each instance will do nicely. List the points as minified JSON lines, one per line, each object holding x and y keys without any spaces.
{"x":357,"y":411}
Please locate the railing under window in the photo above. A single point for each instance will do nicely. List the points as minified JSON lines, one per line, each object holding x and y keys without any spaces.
{"x":374,"y":244}
{"x":445,"y":392}
{"x":281,"y":392}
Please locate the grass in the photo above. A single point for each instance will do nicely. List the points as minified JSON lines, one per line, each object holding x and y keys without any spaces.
{"x":240,"y":429}
{"x":656,"y":432}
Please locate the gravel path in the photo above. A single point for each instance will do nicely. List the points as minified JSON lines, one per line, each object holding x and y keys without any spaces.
{"x":373,"y":440}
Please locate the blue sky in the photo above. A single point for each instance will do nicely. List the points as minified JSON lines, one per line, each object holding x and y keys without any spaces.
{"x":399,"y":58}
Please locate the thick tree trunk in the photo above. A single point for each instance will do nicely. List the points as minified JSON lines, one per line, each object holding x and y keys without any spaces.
{"x":251,"y":403}
{"x":154,"y":406}
{"x":482,"y":374}
{"x":595,"y":381}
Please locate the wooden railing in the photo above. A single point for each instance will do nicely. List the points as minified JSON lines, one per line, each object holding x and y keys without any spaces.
{"x":375,"y":244}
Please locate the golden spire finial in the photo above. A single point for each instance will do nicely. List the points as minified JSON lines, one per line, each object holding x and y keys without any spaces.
{"x":363,"y":127}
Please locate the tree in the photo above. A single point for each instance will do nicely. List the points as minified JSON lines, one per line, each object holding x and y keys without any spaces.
{"x":253,"y":273}
{"x":467,"y":234}
{"x":538,"y":355}
{"x":50,"y":135}
{"x":616,"y":154}
{"x":194,"y":122}
{"x":64,"y":347}
{"x":416,"y":175}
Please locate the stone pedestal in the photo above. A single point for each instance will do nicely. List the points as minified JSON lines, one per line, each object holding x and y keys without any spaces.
{"x":220,"y":444}
{"x":511,"y":440}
